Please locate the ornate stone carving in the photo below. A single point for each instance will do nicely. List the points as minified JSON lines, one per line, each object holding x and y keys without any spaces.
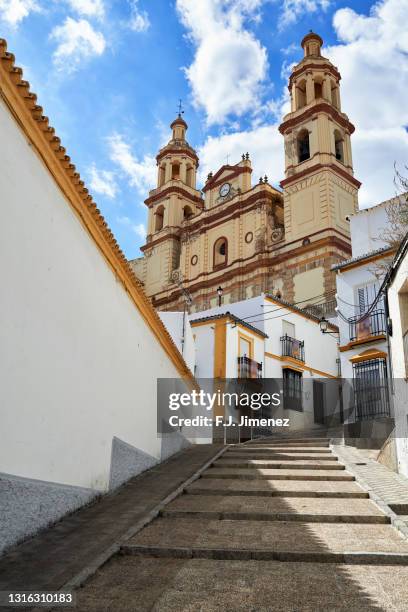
{"x":277,"y":233}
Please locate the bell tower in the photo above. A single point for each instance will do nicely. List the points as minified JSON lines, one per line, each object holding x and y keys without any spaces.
{"x":319,"y":186}
{"x":173,"y":202}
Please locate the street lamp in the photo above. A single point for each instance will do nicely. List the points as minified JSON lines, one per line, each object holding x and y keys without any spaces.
{"x":324,"y":327}
{"x":220,"y":291}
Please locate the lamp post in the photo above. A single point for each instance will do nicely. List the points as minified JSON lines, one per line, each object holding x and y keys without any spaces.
{"x":220,"y":291}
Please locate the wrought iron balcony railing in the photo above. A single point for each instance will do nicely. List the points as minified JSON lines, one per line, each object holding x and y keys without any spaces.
{"x":293,"y":348}
{"x":372,"y":325}
{"x":248,"y":368}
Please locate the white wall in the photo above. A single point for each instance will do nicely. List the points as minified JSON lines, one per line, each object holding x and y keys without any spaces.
{"x":204,"y":341}
{"x":400,"y":397}
{"x":175,"y":322}
{"x":366,"y":227}
{"x":78,"y":363}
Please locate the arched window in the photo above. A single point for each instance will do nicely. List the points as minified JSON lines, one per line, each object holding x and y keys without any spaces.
{"x":334,"y":96}
{"x":339,"y":146}
{"x":189,"y":176}
{"x":175,"y":172}
{"x":159,"y":218}
{"x":303,"y":145}
{"x":220,"y":252}
{"x":318,"y":90}
{"x":301,"y":94}
{"x":187,"y":212}
{"x":162,"y":174}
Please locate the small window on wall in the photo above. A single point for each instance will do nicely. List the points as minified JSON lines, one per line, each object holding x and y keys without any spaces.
{"x":159,"y":218}
{"x":339,"y":146}
{"x":187,"y":212}
{"x":220,"y":252}
{"x":189,"y":176}
{"x":175,"y":172}
{"x":292,"y":389}
{"x":318,"y":90}
{"x":301,"y":94}
{"x":303,"y":145}
{"x":162,"y":175}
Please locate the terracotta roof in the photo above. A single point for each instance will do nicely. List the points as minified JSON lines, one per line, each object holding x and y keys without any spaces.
{"x":352,"y":260}
{"x":22,"y":103}
{"x":233,"y":318}
{"x":301,"y":311}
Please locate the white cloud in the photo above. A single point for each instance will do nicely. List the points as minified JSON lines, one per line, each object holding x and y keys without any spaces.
{"x":373,"y":61}
{"x":14,"y":11}
{"x":88,"y":8}
{"x":103,"y":182}
{"x":264,"y":144}
{"x":293,"y":9}
{"x":141,"y":174}
{"x":77,"y":41}
{"x":139,"y":20}
{"x":138,"y":228}
{"x":229,"y":63}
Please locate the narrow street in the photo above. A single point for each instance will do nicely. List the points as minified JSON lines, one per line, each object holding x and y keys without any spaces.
{"x":268,"y":526}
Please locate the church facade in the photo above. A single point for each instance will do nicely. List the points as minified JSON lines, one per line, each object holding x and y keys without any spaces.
{"x":250,"y":238}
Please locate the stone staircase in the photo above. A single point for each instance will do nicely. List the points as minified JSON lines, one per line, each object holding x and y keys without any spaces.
{"x":270,"y":525}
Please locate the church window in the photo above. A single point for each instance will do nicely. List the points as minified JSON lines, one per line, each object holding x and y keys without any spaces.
{"x":318,"y":90}
{"x":187,"y":212}
{"x":334,"y":96}
{"x":339,"y":146}
{"x":175,"y":172}
{"x":303,"y":145}
{"x":159,"y":215}
{"x":162,"y":174}
{"x":301,"y":94}
{"x":220,"y":252}
{"x":189,"y":176}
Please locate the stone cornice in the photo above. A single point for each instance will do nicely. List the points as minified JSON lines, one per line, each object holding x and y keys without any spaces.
{"x":173,"y":189}
{"x":327,"y":66}
{"x":234,"y":172}
{"x":312,"y":169}
{"x":172,"y":150}
{"x":22,"y":104}
{"x":309,"y":111}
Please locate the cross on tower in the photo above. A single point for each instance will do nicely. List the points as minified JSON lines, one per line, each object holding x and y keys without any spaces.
{"x":180,"y":108}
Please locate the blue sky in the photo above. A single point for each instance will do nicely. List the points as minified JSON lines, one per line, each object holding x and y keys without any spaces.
{"x":109,"y":74}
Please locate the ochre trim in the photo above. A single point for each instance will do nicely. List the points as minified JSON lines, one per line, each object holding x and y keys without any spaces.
{"x":368,"y":340}
{"x":220,"y":348}
{"x":22,"y":105}
{"x":248,"y":339}
{"x":367,"y":355}
{"x":316,"y":168}
{"x":294,"y":368}
{"x":301,"y":365}
{"x":252,"y":331}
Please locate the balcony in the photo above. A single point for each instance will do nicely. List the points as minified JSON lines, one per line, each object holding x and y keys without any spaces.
{"x":293,"y":348}
{"x":248,"y":368}
{"x":373,"y":325}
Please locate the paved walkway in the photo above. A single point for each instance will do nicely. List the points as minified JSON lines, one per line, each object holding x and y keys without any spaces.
{"x":273,"y":526}
{"x":57,"y":555}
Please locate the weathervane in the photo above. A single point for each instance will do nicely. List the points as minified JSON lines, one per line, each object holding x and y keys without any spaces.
{"x":180,"y":108}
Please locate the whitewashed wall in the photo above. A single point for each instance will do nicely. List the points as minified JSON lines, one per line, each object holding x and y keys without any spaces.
{"x":400,"y":397}
{"x":178,"y":325}
{"x":78,"y":363}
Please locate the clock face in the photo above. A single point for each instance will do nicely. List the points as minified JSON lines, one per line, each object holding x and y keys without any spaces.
{"x":225,"y":189}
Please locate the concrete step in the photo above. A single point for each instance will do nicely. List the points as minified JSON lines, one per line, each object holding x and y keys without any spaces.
{"x":271,"y":464}
{"x":280,"y":449}
{"x":277,"y":474}
{"x":291,"y":541}
{"x":299,"y":509}
{"x":315,"y":442}
{"x":278,"y":488}
{"x":145,"y":583}
{"x":279,"y":456}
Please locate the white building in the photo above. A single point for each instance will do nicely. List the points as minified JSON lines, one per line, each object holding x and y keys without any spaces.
{"x":79,"y":338}
{"x":397,"y":298}
{"x":265,"y":337}
{"x":363,"y":339}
